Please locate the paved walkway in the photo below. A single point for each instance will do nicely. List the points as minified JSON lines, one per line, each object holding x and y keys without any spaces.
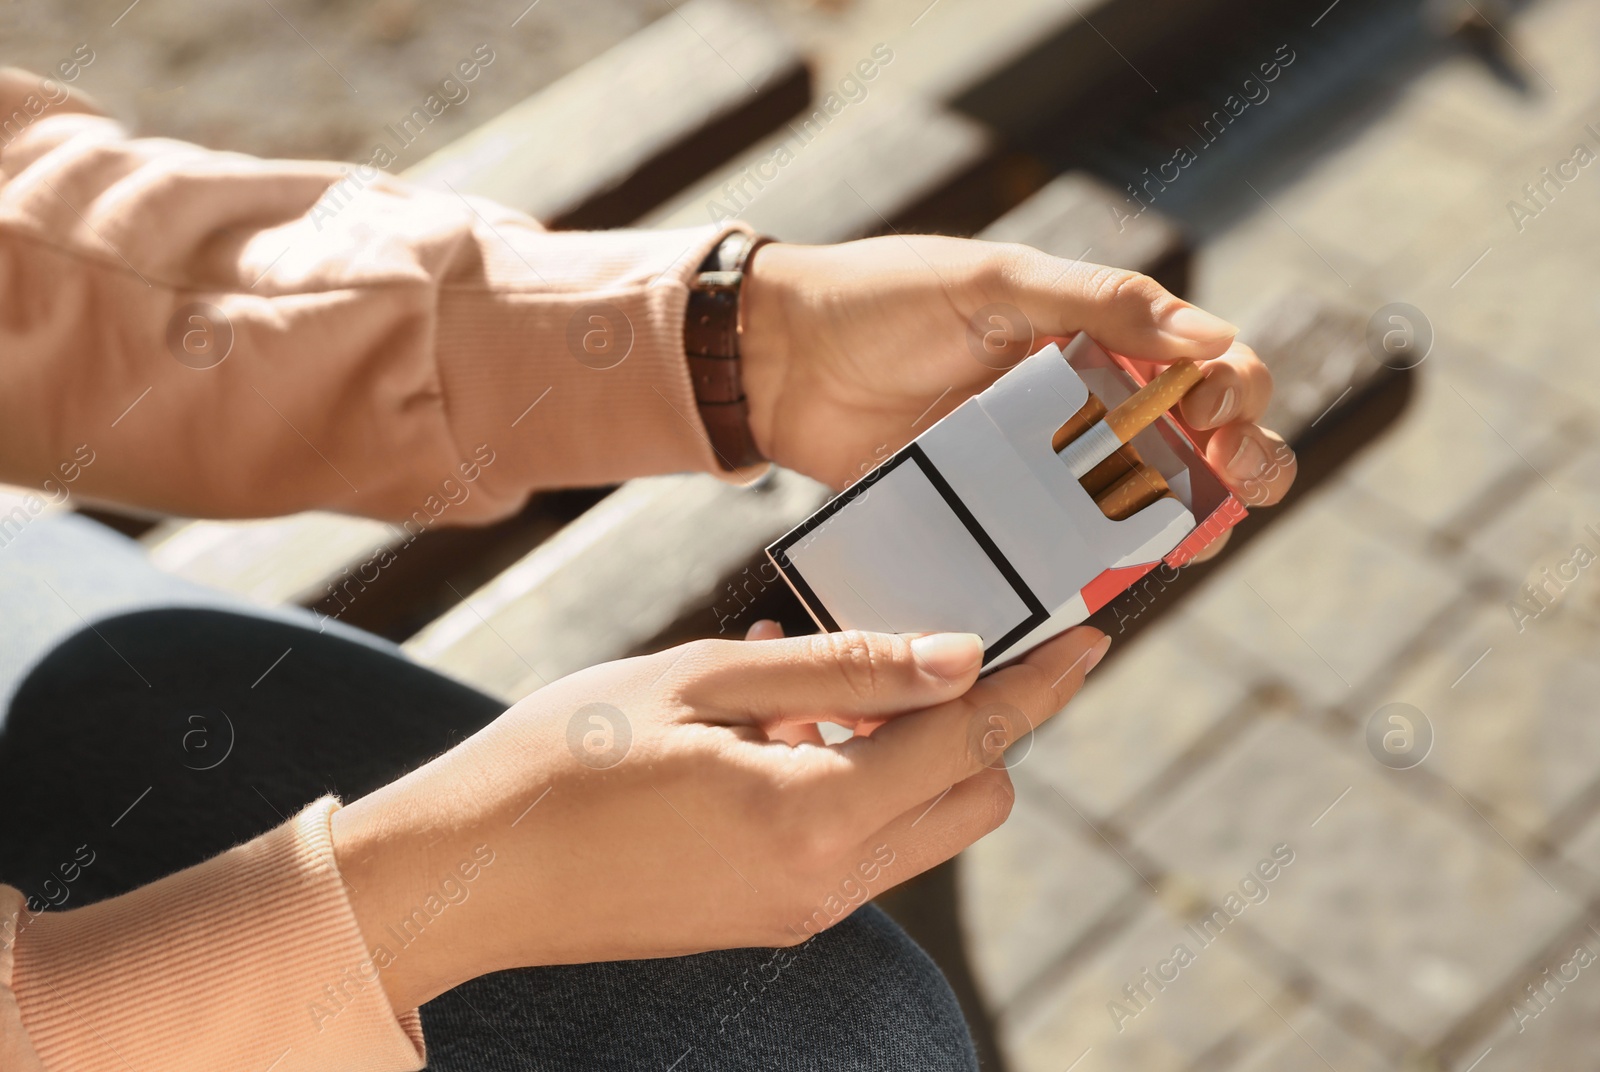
{"x":1208,"y":866}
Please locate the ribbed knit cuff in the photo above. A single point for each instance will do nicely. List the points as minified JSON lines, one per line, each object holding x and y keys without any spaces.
{"x":252,"y":960}
{"x":16,"y":1052}
{"x":611,"y":358}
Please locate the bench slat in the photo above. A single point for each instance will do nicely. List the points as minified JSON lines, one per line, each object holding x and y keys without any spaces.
{"x":611,"y":580}
{"x":1072,"y":217}
{"x":278,"y":560}
{"x":846,"y":176}
{"x":608,"y":141}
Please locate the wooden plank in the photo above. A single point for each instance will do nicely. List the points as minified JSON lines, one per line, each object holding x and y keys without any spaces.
{"x":958,"y":48}
{"x":425,"y":578}
{"x":1014,"y":64}
{"x":1010,"y":65}
{"x":1078,"y":217}
{"x":1090,"y":55}
{"x":1317,"y":352}
{"x":607,"y":142}
{"x":281,"y":560}
{"x":830,"y":178}
{"x":612,"y":580}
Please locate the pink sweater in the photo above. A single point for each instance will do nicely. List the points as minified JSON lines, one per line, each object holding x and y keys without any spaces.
{"x":383,"y":339}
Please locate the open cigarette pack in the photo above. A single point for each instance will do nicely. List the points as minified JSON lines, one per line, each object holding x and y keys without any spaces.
{"x":979,"y":526}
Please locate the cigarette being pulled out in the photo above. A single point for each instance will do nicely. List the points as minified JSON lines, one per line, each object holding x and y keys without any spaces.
{"x":1103,"y":438}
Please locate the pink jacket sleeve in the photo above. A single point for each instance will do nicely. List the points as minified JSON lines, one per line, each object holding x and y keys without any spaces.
{"x":229,"y":337}
{"x":249,"y":961}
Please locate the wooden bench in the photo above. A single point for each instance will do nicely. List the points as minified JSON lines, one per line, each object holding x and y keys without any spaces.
{"x":594,"y":149}
{"x":685,"y":93}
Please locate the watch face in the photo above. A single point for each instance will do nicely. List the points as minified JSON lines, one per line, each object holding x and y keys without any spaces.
{"x":730,"y":254}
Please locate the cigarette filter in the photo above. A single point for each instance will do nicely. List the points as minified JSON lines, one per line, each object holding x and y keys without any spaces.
{"x":1139,"y":412}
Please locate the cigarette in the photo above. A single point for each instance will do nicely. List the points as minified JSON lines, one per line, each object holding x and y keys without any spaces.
{"x":1079,"y":423}
{"x":1138,"y":412}
{"x":1122,"y":461}
{"x":1133,"y":493}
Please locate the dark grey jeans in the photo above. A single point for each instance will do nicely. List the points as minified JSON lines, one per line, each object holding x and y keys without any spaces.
{"x":159,"y":723}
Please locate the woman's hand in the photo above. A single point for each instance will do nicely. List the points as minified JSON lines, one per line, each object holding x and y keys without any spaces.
{"x":853,"y":350}
{"x":654,"y":806}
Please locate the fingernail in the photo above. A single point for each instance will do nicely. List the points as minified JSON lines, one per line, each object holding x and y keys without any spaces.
{"x":1249,"y":461}
{"x":1096,"y":653}
{"x":1225,"y":408}
{"x":948,"y":655}
{"x":1197,"y":324}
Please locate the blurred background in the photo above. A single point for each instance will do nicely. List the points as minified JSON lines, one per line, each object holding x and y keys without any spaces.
{"x":1333,"y":802}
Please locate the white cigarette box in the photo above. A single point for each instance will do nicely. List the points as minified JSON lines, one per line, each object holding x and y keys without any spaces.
{"x":978,"y":526}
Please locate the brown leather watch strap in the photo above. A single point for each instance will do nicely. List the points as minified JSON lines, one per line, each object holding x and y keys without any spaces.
{"x":711,"y":341}
{"x":712,"y":324}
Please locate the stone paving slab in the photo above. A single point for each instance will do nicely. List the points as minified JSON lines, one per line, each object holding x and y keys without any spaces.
{"x":1466,"y":430}
{"x":1405,"y":920}
{"x":1128,"y":724}
{"x":1309,"y":1041}
{"x":1555,"y":1027}
{"x":1216,"y":1000}
{"x":1402,"y":909}
{"x":1513,"y":713}
{"x":1363,"y":203}
{"x":1543,"y":529}
{"x":1369,"y":598}
{"x":1552,"y":40}
{"x":1029,"y":891}
{"x":1530,"y":319}
{"x":1523,"y":303}
{"x":1584,"y":847}
{"x":1451,"y":148}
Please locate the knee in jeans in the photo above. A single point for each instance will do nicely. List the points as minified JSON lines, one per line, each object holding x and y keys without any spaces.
{"x":899,"y":1002}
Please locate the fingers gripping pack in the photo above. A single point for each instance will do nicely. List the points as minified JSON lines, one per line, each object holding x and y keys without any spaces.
{"x":979,"y":526}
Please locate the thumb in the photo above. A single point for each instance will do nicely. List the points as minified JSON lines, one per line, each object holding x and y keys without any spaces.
{"x":1123,"y":311}
{"x":840,"y":677}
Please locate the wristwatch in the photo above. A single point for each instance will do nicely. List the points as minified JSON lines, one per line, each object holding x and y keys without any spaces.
{"x":711,"y":340}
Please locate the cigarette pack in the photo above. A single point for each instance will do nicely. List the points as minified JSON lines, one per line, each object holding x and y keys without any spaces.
{"x":978,"y":526}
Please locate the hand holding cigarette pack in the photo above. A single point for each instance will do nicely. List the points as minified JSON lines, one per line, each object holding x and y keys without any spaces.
{"x":1029,"y":507}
